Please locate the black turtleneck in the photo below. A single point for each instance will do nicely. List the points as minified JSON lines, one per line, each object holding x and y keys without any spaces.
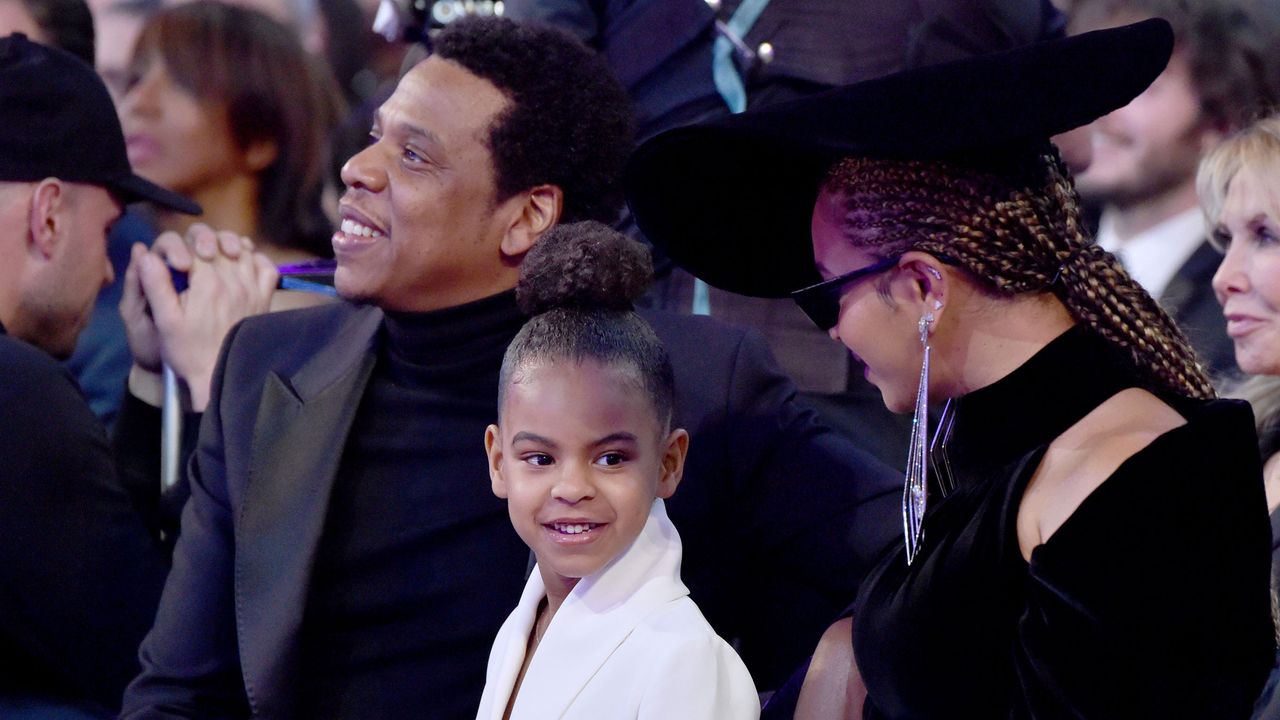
{"x":1148,"y":601}
{"x":392,"y":614}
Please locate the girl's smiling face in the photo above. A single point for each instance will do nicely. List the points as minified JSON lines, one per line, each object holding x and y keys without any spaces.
{"x":580,"y":457}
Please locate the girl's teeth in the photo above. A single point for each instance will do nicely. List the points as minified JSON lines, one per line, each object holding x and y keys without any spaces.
{"x":574,"y":529}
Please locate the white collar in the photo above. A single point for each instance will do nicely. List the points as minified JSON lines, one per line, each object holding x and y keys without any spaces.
{"x":596,"y":617}
{"x":1154,"y":256}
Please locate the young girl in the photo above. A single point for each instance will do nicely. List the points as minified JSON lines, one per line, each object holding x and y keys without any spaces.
{"x":584,"y":453}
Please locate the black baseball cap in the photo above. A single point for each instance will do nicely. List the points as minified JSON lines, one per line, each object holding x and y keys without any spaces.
{"x":731,"y":200}
{"x":57,"y":120}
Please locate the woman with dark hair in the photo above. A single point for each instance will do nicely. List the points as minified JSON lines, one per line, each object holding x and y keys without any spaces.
{"x":226,"y":107}
{"x":1086,"y":534}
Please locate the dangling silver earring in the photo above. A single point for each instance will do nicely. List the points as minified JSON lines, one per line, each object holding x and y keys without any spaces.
{"x":914,"y":494}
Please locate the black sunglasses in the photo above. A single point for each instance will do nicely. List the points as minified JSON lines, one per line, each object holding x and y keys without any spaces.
{"x":821,"y":302}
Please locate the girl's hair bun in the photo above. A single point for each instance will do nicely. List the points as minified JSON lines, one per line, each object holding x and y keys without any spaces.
{"x":583,"y":266}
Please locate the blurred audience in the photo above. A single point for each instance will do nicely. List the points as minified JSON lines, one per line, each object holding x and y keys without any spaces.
{"x":81,"y":561}
{"x":65,"y":24}
{"x":224,"y":105}
{"x":1223,"y":72}
{"x":1237,"y":185}
{"x":221,"y":103}
{"x":118,"y":23}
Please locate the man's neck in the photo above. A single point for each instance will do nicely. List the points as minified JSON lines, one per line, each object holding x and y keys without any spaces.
{"x":1132,"y":220}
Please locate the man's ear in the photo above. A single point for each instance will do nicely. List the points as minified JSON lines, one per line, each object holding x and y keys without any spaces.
{"x":674,"y":451}
{"x":927,"y":286}
{"x":45,"y":217}
{"x":539,"y":210}
{"x":493,"y":448}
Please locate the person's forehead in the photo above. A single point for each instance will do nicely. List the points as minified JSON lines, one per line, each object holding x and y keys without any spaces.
{"x":443,"y":99}
{"x":14,"y":17}
{"x":1251,"y":191}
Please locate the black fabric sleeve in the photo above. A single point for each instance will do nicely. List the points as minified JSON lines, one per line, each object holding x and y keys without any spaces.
{"x":190,"y":660}
{"x":80,"y":573}
{"x":136,"y":443}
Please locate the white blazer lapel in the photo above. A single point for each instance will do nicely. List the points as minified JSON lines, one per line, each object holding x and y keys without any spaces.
{"x":507,"y":656}
{"x":597,"y":617}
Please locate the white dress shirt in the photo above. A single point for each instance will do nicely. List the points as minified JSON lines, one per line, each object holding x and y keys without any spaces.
{"x":1153,"y":257}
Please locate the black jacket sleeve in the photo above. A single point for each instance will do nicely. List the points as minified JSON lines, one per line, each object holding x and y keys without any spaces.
{"x":80,"y":572}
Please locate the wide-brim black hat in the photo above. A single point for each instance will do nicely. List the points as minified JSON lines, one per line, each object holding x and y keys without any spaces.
{"x":57,"y":120}
{"x":731,"y":200}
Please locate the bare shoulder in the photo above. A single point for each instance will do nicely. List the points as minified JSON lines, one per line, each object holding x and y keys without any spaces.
{"x":833,"y":686}
{"x":1079,"y":460}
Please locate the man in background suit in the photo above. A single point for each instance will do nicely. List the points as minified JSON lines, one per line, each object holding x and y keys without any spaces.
{"x":1223,"y":72}
{"x":342,"y":555}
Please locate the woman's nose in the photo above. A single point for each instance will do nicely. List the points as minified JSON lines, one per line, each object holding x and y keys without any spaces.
{"x":1232,"y":275}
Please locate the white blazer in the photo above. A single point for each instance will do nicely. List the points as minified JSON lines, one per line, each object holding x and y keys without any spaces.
{"x":627,"y":643}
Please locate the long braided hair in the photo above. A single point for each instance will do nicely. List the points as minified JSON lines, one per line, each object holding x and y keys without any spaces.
{"x":1013,"y":224}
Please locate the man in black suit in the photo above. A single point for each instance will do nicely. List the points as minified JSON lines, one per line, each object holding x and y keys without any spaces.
{"x":1142,"y":176}
{"x":81,"y":563}
{"x":341,"y":555}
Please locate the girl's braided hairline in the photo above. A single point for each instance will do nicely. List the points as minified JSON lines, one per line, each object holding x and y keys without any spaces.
{"x":1016,"y":230}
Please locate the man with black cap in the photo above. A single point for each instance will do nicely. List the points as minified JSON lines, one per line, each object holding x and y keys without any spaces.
{"x":81,"y":563}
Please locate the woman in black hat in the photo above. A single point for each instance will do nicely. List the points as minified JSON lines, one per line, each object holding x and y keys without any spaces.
{"x":1086,"y":533}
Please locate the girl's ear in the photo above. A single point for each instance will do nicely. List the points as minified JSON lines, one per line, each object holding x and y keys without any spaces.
{"x":493,"y":448}
{"x":928,"y":284}
{"x":675,"y":448}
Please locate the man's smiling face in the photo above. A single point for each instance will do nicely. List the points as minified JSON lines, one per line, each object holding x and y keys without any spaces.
{"x":421,"y":226}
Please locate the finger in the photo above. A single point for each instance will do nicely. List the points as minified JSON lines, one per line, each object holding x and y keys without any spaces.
{"x":131,"y":299}
{"x":173,"y":249}
{"x":231,"y":244}
{"x":158,"y":289}
{"x":268,"y":275}
{"x":204,"y":240}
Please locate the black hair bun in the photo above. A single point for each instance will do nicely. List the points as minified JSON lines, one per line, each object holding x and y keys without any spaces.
{"x":583,"y":266}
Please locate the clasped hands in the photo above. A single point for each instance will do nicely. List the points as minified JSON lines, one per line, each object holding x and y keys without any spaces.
{"x":226,"y":281}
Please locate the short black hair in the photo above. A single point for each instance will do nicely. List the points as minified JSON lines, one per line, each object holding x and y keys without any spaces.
{"x":569,"y":122}
{"x":579,"y":283}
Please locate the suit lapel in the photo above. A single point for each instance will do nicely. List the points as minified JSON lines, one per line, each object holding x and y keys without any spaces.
{"x":1190,"y":279}
{"x":301,"y":427}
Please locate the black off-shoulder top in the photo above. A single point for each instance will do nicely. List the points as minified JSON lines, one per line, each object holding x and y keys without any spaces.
{"x":1150,"y":601}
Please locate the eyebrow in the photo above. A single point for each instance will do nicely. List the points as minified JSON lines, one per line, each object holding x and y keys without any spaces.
{"x":613,"y":438}
{"x":525,"y":435}
{"x":406,"y":127}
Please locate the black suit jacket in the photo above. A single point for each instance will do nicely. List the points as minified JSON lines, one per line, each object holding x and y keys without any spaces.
{"x":780,"y":516}
{"x":1190,"y":300}
{"x":80,"y":569}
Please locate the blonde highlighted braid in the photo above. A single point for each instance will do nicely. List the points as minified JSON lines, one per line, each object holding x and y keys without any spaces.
{"x":1015,"y":227}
